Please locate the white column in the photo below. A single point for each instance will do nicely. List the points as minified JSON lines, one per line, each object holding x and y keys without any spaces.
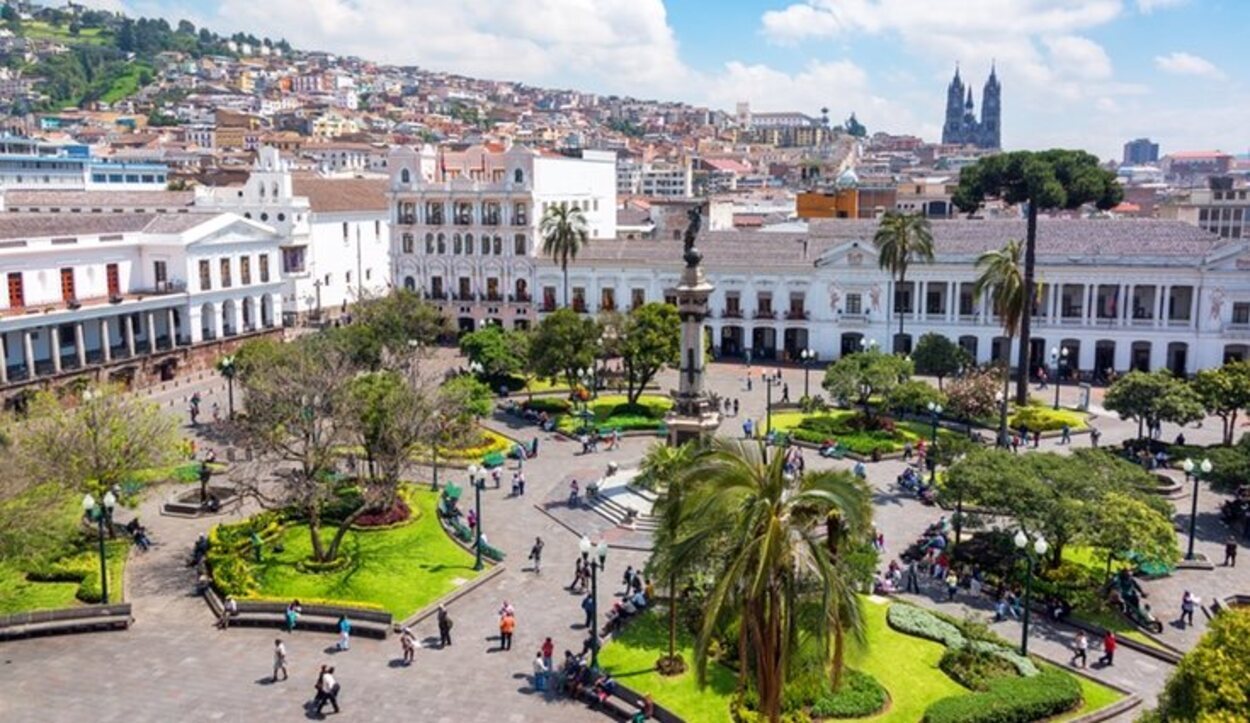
{"x":195,"y":325}
{"x":173,"y":328}
{"x":80,"y":345}
{"x":54,"y":345}
{"x":236,"y":321}
{"x":952,"y":300}
{"x":151,"y":333}
{"x":215,"y":324}
{"x":105,"y":341}
{"x":1091,"y":296}
{"x":28,"y":350}
{"x":917,"y":300}
{"x":1126,"y":303}
{"x":129,"y":323}
{"x":4,"y":361}
{"x":1193,"y":308}
{"x":1161,"y":317}
{"x":275,"y":303}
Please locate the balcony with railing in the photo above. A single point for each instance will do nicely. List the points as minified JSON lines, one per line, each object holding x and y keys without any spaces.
{"x":731,"y":314}
{"x":765,"y":314}
{"x":520,"y":298}
{"x":797,"y":315}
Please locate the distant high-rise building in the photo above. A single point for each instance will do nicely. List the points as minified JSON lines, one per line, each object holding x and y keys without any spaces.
{"x":1140,"y":151}
{"x":961,"y":126}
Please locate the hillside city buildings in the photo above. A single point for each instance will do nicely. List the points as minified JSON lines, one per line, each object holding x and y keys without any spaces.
{"x":256,"y":187}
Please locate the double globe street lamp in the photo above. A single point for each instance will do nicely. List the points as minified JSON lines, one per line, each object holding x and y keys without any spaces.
{"x":1039,"y":547}
{"x":1059,"y":362}
{"x":595,"y":565}
{"x":101,"y":513}
{"x":1194,"y":472}
{"x":477,"y":511}
{"x":807,"y":356}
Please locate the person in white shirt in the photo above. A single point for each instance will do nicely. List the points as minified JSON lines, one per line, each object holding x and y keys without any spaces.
{"x":540,"y":672}
{"x":279,"y":660}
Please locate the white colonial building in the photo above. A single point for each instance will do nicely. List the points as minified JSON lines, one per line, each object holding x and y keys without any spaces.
{"x":465,"y":223}
{"x":90,"y":291}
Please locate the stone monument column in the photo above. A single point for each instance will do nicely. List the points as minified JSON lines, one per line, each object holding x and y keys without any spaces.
{"x":693,"y":415}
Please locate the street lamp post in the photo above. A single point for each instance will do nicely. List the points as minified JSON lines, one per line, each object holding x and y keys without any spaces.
{"x":227,"y":369}
{"x":101,"y":513}
{"x":596,"y":565}
{"x":1039,"y":547}
{"x":935,"y":413}
{"x":1058,"y":360}
{"x":477,"y":506}
{"x":1002,"y":419}
{"x":807,"y":356}
{"x":770,"y":381}
{"x":1196,"y":472}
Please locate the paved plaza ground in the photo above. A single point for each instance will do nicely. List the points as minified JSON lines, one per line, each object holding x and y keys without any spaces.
{"x":174,"y":665}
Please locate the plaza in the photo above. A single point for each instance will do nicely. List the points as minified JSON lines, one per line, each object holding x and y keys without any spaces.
{"x":173,"y":662}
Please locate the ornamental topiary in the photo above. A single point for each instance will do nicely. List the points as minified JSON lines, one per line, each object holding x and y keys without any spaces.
{"x":1010,"y":700}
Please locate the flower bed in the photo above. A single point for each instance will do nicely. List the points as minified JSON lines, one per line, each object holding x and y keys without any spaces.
{"x":1045,"y":419}
{"x":846,"y":427}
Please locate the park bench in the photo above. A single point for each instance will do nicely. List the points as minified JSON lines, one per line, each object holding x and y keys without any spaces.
{"x":322,"y":618}
{"x":493,"y":460}
{"x":87,"y":618}
{"x":624,"y":704}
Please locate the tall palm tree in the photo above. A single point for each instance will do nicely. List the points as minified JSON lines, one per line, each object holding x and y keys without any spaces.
{"x":661,"y":469}
{"x":565,"y":232}
{"x":1002,"y":278}
{"x":773,"y":562}
{"x":902,"y":238}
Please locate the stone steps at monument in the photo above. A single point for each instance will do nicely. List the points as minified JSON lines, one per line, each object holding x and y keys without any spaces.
{"x":616,"y":513}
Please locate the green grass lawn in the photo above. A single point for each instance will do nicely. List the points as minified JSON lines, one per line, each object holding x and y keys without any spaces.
{"x":907,"y":666}
{"x":401,"y":569}
{"x":611,"y":411}
{"x":860,"y":442}
{"x":40,"y":30}
{"x":631,"y":658}
{"x":125,"y":85}
{"x":18,"y":593}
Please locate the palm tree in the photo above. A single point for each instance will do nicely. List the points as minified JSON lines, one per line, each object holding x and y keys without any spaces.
{"x":900,"y":239}
{"x":1002,"y":277}
{"x":564,"y":231}
{"x":661,"y":469}
{"x":772,"y":564}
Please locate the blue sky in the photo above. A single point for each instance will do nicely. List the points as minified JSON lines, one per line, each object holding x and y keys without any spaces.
{"x":1075,"y":73}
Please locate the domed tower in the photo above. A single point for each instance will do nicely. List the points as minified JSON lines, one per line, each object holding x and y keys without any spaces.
{"x":991,"y":112}
{"x":952,"y":129}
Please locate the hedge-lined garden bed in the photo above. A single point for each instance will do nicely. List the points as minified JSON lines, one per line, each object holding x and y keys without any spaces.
{"x":400,"y":567}
{"x":614,"y":412}
{"x":847,"y":428}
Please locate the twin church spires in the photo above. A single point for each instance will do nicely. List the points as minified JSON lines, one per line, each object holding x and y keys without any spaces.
{"x":961,"y":126}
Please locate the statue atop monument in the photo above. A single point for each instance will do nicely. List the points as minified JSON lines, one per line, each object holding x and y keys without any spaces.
{"x":692,"y":255}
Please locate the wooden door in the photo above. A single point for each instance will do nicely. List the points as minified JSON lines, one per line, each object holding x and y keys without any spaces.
{"x":114,"y":280}
{"x":67,"y":284}
{"x":17,"y":294}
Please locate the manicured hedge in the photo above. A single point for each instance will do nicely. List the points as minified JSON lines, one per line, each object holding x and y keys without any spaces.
{"x":1046,"y":419}
{"x":1011,"y":700}
{"x":924,"y":624}
{"x":861,"y":696}
{"x":84,"y":568}
{"x":550,"y":405}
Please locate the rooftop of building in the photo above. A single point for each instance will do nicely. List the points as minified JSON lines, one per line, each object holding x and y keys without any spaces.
{"x":53,"y":225}
{"x":65,"y":199}
{"x":339,"y":195}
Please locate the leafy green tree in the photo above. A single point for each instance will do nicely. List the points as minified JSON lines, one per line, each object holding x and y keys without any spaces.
{"x":565,"y":232}
{"x":649,"y":340}
{"x":858,"y":377}
{"x":472,"y":395}
{"x":1208,"y":684}
{"x":500,"y":353}
{"x":99,"y":440}
{"x":1002,"y":277}
{"x":774,"y":560}
{"x":914,"y":397}
{"x":902,"y":238}
{"x":1152,"y":398}
{"x":563,"y":343}
{"x":401,"y":321}
{"x":1224,"y":392}
{"x":938,"y":356}
{"x":1124,"y":524}
{"x":1043,"y":180}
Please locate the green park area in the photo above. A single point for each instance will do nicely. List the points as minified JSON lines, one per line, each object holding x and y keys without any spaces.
{"x":605,"y":413}
{"x":909,"y":664}
{"x":847,"y":427}
{"x":400,"y":567}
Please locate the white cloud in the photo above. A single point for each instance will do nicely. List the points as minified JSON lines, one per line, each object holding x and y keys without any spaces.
{"x":1076,"y":55}
{"x":1149,"y":6}
{"x":607,"y":45}
{"x":1182,"y":63}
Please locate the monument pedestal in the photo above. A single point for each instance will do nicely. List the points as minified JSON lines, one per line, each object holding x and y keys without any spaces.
{"x":686,"y":429}
{"x":694,"y":417}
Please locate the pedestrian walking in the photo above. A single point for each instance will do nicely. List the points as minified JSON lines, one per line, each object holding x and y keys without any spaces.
{"x":785,"y":393}
{"x":735,"y":407}
{"x":1080,"y":649}
{"x":329,"y":690}
{"x":1041,"y":378}
{"x":216,"y":413}
{"x":507,"y":624}
{"x":952,"y":585}
{"x":279,"y":660}
{"x":345,"y":633}
{"x":540,"y":672}
{"x":1015,"y":443}
{"x":913,"y":584}
{"x":1230,"y":552}
{"x":1108,"y":649}
{"x":1189,"y":601}
{"x":520,"y":484}
{"x":1065,"y":434}
{"x":536,"y":554}
{"x":408,"y":643}
{"x":1094,"y":436}
{"x":1037,"y":438}
{"x":548,"y":651}
{"x":588,"y":607}
{"x":444,"y":627}
{"x":628,"y":579}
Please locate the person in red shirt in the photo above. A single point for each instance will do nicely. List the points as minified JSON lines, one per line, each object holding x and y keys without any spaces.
{"x":1108,"y":649}
{"x":549,"y":649}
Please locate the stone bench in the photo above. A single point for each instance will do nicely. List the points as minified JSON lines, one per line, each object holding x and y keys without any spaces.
{"x":322,"y":618}
{"x":88,"y":618}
